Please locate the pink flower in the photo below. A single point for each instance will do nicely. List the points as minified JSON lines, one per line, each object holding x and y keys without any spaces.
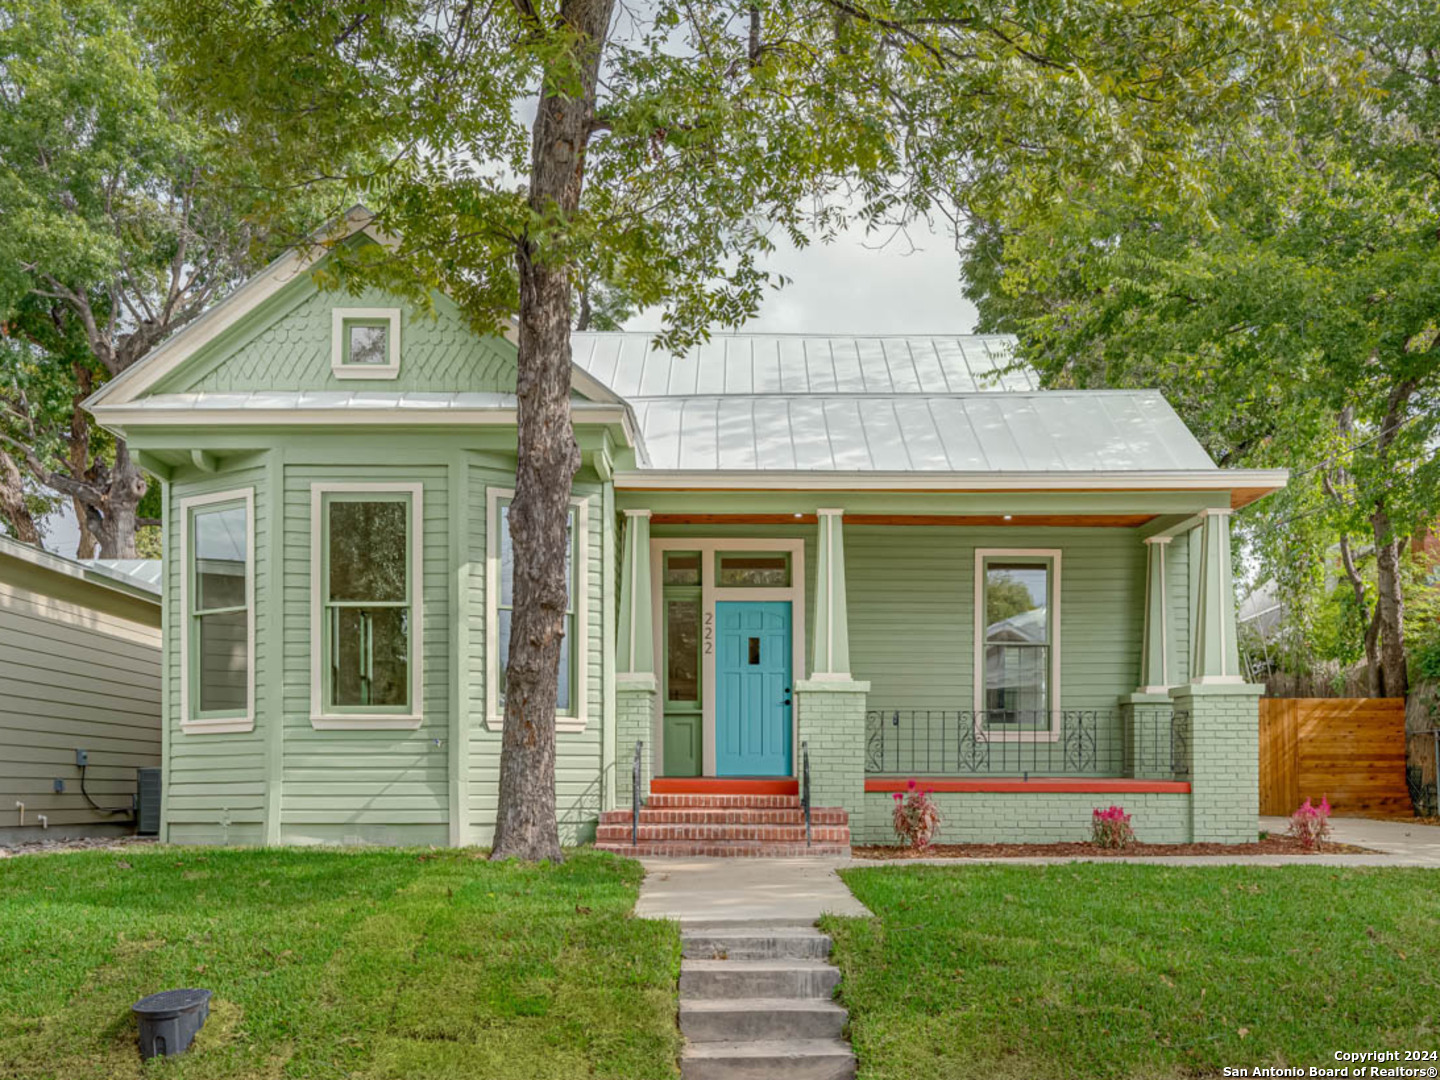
{"x":898,"y":796}
{"x":910,"y":784}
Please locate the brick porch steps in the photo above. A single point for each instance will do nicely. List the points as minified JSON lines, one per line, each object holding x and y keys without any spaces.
{"x":717,"y":833}
{"x":687,"y":824}
{"x":819,"y":815}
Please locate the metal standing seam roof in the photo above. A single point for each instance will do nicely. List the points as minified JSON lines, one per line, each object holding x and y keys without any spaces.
{"x":803,"y":364}
{"x":757,"y":402}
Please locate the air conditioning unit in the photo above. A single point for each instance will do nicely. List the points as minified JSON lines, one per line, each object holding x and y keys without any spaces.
{"x":148,"y":800}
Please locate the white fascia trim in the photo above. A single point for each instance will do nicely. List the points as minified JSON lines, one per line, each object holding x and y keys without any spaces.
{"x":1054,"y":555}
{"x":918,"y":480}
{"x":194,"y":725}
{"x":341,"y":370}
{"x":320,"y":719}
{"x":579,"y":649}
{"x":114,"y":417}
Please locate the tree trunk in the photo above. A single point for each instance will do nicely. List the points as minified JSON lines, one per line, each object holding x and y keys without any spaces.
{"x":12,"y":502}
{"x":1389,"y":609}
{"x":525,"y":822}
{"x":78,"y":445}
{"x":112,"y":523}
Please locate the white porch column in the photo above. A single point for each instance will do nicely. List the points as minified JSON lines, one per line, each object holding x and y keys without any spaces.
{"x":830,"y":657}
{"x":636,"y":688}
{"x":1155,"y":646}
{"x":1216,"y":656}
{"x":635,"y":640}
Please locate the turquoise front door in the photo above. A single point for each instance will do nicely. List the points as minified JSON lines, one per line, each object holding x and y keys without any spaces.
{"x":752,"y":688}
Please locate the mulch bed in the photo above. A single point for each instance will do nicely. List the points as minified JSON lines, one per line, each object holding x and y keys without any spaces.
{"x":1271,"y":845}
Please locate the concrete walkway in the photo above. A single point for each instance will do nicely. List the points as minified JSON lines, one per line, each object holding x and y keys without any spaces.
{"x":1395,"y":843}
{"x":714,"y":891}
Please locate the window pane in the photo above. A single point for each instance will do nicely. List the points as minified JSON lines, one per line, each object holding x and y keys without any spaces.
{"x":682,"y":637}
{"x":367,"y":550}
{"x":368,"y":343}
{"x":682,"y":568}
{"x":507,"y":559}
{"x":562,"y":692}
{"x":761,"y":569}
{"x":223,"y":662}
{"x":1017,"y":680}
{"x":370,"y":656}
{"x":1016,"y":595}
{"x":219,"y":542}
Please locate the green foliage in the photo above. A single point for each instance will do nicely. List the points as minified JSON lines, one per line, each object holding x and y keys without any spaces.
{"x":366,"y":964}
{"x":1287,"y":305}
{"x":1088,"y":971}
{"x":702,"y":151}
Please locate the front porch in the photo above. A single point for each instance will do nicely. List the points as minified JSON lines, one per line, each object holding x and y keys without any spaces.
{"x":1025,"y":667}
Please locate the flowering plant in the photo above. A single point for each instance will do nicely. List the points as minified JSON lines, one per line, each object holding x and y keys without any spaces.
{"x":917,"y":818}
{"x":1311,"y":824}
{"x":1110,"y":828}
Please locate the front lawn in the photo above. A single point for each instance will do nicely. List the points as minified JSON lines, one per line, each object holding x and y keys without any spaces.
{"x":328,"y":964}
{"x":1135,"y":971}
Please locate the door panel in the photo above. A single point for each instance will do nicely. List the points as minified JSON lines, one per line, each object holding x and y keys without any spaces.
{"x":682,"y":744}
{"x":752,"y":684}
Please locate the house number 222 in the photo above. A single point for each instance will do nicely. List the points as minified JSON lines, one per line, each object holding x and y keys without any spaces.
{"x":709,"y":632}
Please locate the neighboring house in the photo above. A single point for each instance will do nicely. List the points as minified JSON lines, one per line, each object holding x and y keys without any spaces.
{"x":79,"y":671}
{"x":781,"y":544}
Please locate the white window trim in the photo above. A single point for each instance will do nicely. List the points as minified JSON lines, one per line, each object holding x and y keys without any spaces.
{"x":194,"y":725}
{"x":320,"y":719}
{"x":1054,"y":555}
{"x":579,"y":649}
{"x":710,"y":592}
{"x":342,"y":370}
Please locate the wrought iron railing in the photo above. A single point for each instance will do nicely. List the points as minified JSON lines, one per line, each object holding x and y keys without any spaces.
{"x":805,"y":786}
{"x":635,"y":794}
{"x":1152,"y":743}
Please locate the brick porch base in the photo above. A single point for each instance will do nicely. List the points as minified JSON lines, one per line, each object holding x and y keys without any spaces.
{"x":725,"y":825}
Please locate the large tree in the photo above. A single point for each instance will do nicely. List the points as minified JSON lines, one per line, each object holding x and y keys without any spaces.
{"x":1290,"y":311}
{"x":518,"y":148}
{"x":117,"y":230}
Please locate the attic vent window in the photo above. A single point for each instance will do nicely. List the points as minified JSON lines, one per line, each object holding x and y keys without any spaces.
{"x":365,"y":343}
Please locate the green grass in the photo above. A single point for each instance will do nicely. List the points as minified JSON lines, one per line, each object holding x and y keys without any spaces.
{"x":1135,"y":971}
{"x":356,"y":964}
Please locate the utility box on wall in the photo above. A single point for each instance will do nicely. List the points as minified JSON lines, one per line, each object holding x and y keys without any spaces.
{"x":147,"y":817}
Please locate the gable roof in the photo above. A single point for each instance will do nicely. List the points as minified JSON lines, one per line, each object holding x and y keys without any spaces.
{"x":175,"y":350}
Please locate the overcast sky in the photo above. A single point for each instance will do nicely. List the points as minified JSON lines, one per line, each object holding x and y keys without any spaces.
{"x":849,"y":287}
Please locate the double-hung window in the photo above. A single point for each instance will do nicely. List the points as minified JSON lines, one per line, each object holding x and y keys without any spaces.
{"x":218,"y":599}
{"x":1017,"y":619}
{"x":367,"y":607}
{"x":570,"y":682}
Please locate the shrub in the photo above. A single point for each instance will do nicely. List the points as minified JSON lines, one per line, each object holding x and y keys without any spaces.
{"x":1311,"y":824}
{"x":1110,"y":828}
{"x":917,"y":818}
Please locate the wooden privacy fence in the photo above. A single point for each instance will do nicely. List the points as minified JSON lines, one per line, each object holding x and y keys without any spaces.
{"x":1349,"y":750}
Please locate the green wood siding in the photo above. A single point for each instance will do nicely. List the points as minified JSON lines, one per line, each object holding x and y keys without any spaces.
{"x":371,"y":786}
{"x":437,"y":353}
{"x":215,"y":784}
{"x":911,"y":594}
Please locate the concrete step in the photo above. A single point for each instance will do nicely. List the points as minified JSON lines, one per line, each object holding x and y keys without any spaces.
{"x":723,"y":849}
{"x":819,"y":815}
{"x":760,"y":1019}
{"x":779,"y":978}
{"x":751,"y":943}
{"x":711,"y":833}
{"x":793,"y":1059}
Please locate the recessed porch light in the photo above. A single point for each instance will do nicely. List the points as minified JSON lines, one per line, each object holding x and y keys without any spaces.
{"x":1008,"y":516}
{"x":799,"y":515}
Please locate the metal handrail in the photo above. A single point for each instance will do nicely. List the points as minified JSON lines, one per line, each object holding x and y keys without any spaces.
{"x":805,"y":786}
{"x":635,"y":795}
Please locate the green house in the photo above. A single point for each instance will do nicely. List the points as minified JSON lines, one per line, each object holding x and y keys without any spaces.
{"x":860,"y":560}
